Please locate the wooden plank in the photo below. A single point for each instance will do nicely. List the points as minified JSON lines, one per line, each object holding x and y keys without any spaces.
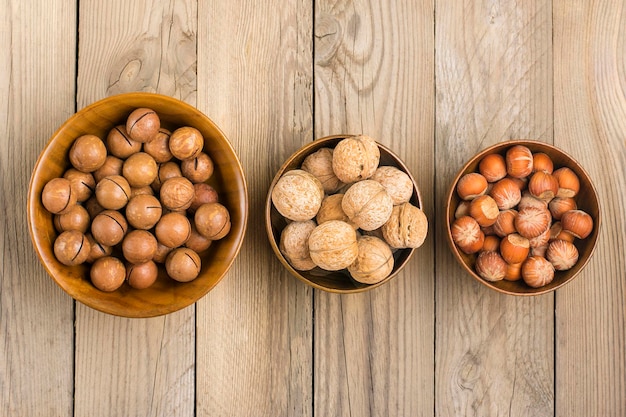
{"x":37,"y":87}
{"x":494,"y":353}
{"x":129,"y":366}
{"x":374,"y":74}
{"x":590,"y":124}
{"x":254,"y":329}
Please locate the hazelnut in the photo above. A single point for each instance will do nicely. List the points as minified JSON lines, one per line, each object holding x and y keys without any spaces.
{"x":109,"y":227}
{"x":71,"y":248}
{"x":492,"y":167}
{"x":355,"y":158}
{"x":407,"y":227}
{"x":203,"y":193}
{"x":519,"y":161}
{"x":113,"y":192}
{"x":143,"y":125}
{"x":559,"y":205}
{"x":140,"y":169}
{"x":183,"y":264}
{"x":578,"y":223}
{"x":557,"y":232}
{"x":397,"y":183}
{"x":541,"y":240}
{"x":490,"y":266}
{"x":513,"y":272}
{"x":505,"y":223}
{"x":491,"y":243}
{"x":532,"y":221}
{"x":139,"y":246}
{"x":374,"y":261}
{"x":88,"y":153}
{"x":177,"y":193}
{"x":58,"y":196}
{"x":529,"y":200}
{"x":159,"y":147}
{"x":467,"y":235}
{"x":212,"y":220}
{"x":471,"y":186}
{"x":197,"y":242}
{"x":462,"y":209}
{"x":186,"y":143}
{"x":367,"y":204}
{"x":107,"y":273}
{"x":143,"y":211}
{"x":514,"y":248}
{"x":543,"y":186}
{"x":142,"y":276}
{"x":320,"y":164}
{"x":333,"y":245}
{"x":198,"y":169}
{"x":298,"y":195}
{"x":83,"y":183}
{"x":542,"y":162}
{"x":76,"y":218}
{"x":120,"y":144}
{"x":562,"y":254}
{"x":539,"y":250}
{"x":97,"y":250}
{"x":521,"y":183}
{"x":294,"y":244}
{"x":330,"y":209}
{"x":537,"y":271}
{"x":173,"y":230}
{"x":484,"y":210}
{"x":506,"y":193}
{"x":569,"y":184}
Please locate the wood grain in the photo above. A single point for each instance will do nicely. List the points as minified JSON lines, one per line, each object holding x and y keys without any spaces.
{"x":590,"y":124}
{"x":254,"y":334}
{"x":36,"y":342}
{"x":494,"y":353}
{"x":374,"y":75}
{"x":127,"y":366}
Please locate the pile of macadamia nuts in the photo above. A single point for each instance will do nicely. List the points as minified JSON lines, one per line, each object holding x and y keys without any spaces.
{"x":344,"y":211}
{"x":136,"y":199}
{"x":519,"y":214}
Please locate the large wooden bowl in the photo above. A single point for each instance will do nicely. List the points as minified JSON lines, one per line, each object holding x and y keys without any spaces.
{"x":331,"y":281}
{"x":587,"y":200}
{"x":166,"y":295}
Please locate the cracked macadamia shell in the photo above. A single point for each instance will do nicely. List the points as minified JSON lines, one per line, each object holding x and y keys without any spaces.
{"x":407,"y":227}
{"x":367,"y":204}
{"x":397,"y":183}
{"x":355,"y":158}
{"x":320,"y":164}
{"x":298,"y":195}
{"x":333,"y":245}
{"x":294,"y":244}
{"x":374,"y":261}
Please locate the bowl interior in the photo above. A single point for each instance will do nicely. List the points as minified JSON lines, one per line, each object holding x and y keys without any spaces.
{"x":331,"y":281}
{"x":166,"y":295}
{"x":587,"y":200}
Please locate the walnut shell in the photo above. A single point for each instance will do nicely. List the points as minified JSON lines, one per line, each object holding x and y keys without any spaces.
{"x":367,"y":204}
{"x":294,"y":244}
{"x":406,"y":228}
{"x":397,"y":183}
{"x":333,"y":245}
{"x":374,"y":261}
{"x":298,"y":195}
{"x":331,"y":210}
{"x":355,"y":158}
{"x":320,"y":164}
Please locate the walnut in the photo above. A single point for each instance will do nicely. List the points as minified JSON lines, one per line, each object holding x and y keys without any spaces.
{"x":294,"y":244}
{"x":331,"y":210}
{"x":355,"y":158}
{"x":298,"y":195}
{"x":367,"y":204}
{"x":374,"y":261}
{"x":406,"y":228}
{"x":333,"y":245}
{"x":397,"y":183}
{"x":320,"y":164}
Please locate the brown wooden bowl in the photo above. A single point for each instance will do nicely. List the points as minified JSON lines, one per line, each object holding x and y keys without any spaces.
{"x":587,"y":200}
{"x":332,"y":281}
{"x":165,"y":295}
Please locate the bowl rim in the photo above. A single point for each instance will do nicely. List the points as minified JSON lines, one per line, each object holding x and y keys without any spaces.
{"x":305,"y":150}
{"x":497,"y":148}
{"x":137,"y":97}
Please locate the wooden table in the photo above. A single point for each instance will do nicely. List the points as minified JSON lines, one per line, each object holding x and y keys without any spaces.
{"x":434,"y":80}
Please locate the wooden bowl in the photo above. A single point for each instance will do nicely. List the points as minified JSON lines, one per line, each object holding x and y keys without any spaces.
{"x":165,"y":295}
{"x":587,"y":200}
{"x":332,"y":281}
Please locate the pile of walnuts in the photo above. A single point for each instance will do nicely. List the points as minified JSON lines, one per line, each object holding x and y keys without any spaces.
{"x":344,"y":211}
{"x":137,"y":198}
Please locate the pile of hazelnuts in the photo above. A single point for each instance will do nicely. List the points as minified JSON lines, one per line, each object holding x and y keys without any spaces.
{"x":519,"y":214}
{"x":136,"y":199}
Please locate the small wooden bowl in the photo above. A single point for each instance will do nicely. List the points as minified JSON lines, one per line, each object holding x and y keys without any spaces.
{"x":332,"y":281}
{"x":587,"y":200}
{"x":165,"y":295}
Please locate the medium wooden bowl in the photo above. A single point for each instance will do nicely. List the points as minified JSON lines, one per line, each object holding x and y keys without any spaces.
{"x":165,"y":295}
{"x":331,"y":281}
{"x":587,"y":200}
